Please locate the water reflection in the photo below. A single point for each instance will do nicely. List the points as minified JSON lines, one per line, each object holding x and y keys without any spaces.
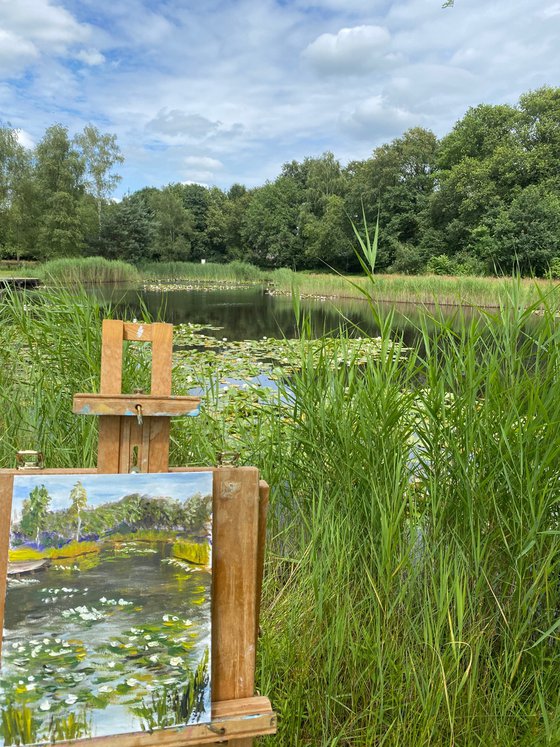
{"x":252,"y":313}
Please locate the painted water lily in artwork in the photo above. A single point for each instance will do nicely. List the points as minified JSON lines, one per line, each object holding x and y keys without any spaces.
{"x":107,"y":618}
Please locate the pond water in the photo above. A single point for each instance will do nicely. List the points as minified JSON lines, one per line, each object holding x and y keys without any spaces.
{"x":80,"y":645}
{"x":252,"y":313}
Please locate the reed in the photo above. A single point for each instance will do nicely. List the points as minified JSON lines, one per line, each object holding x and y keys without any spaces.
{"x":418,"y":289}
{"x":209,"y":272}
{"x":87,"y":270}
{"x":193,"y":552}
{"x":411,"y":589}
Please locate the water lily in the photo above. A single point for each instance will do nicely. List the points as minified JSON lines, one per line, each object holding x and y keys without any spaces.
{"x":71,"y":699}
{"x":44,"y":705}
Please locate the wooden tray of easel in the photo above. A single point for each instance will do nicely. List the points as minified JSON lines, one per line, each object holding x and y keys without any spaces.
{"x":134,"y":435}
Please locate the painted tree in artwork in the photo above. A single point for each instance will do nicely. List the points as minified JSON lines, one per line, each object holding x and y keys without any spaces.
{"x":78,"y":498}
{"x":34,"y":514}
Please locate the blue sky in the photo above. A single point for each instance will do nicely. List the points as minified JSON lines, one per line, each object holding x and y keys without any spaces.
{"x":103,"y":488}
{"x":217,"y":92}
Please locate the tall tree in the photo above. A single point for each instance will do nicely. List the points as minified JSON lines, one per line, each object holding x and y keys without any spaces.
{"x":34,"y":514}
{"x":59,"y":170}
{"x":101,"y":154}
{"x":78,"y":500}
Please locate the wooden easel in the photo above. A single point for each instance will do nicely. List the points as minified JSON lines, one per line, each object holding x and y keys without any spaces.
{"x":134,"y":435}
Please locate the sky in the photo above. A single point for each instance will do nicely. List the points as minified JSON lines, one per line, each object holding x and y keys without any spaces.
{"x":104,"y":488}
{"x":218,"y":92}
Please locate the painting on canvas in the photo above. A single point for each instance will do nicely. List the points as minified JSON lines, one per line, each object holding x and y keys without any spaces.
{"x":107,"y":616}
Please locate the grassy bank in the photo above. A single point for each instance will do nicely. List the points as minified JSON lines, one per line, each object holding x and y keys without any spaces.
{"x":412,"y":590}
{"x":423,"y":289}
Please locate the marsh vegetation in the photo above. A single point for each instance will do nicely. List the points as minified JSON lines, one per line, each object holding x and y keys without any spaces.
{"x":411,"y":589}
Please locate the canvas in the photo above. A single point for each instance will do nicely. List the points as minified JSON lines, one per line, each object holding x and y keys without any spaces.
{"x":107,"y":623}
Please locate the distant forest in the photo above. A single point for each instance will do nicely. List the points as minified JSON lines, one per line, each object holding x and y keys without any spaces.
{"x":484,"y":199}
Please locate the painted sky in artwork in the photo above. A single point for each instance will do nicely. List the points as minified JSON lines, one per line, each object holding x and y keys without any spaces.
{"x":218,"y":92}
{"x":104,"y":488}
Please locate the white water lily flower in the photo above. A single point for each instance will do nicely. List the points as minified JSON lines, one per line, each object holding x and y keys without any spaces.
{"x":44,"y":705}
{"x":105,"y":689}
{"x":154,"y":658}
{"x":31,"y":678}
{"x":175,"y":661}
{"x":30,"y":686}
{"x":131,"y":682}
{"x":111,"y":664}
{"x":103,"y":600}
{"x":153,"y":644}
{"x":71,"y":699}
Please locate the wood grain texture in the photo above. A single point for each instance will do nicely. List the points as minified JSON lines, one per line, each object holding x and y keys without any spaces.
{"x":111,"y":383}
{"x":138,"y":332}
{"x":234,"y":561}
{"x":264,"y":493}
{"x":240,"y":718}
{"x":162,"y":350}
{"x":111,"y":357}
{"x":6,"y":490}
{"x":125,"y":404}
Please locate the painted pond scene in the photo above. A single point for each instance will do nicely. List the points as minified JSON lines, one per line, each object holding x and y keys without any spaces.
{"x":107,"y":622}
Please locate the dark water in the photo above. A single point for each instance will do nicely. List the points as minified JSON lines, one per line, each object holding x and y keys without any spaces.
{"x":252,"y":313}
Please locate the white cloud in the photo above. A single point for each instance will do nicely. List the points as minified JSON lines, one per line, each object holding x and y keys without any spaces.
{"x":375,"y":117}
{"x":179,"y":124}
{"x":15,"y":52}
{"x":90,"y":56}
{"x":551,"y":11}
{"x":40,"y":21}
{"x":351,"y":50}
{"x":25,"y":139}
{"x":203,"y":162}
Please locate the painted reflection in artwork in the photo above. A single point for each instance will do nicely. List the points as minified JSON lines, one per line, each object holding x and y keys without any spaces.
{"x":107,"y":618}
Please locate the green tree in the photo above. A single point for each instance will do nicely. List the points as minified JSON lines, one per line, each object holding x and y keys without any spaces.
{"x":397,"y":181}
{"x":128,"y":231}
{"x":59,"y":170}
{"x":525,"y":236}
{"x":78,"y":500}
{"x":100,"y":154}
{"x":271,"y":226}
{"x":34,"y":514}
{"x":174,"y":223}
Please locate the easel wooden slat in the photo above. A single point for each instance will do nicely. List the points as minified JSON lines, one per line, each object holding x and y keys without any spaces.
{"x":162,"y":351}
{"x":6,"y":490}
{"x":233,"y":723}
{"x":235,"y":532}
{"x":126,"y":404}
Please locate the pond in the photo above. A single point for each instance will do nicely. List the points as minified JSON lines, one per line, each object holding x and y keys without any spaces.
{"x":252,"y":313}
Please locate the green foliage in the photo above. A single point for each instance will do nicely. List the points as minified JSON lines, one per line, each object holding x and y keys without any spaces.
{"x":19,"y":727}
{"x":34,"y":512}
{"x":80,"y":271}
{"x":440,"y":265}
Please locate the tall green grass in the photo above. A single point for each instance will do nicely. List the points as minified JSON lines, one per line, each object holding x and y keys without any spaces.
{"x":80,"y":271}
{"x":209,"y":272}
{"x":412,"y":580}
{"x":423,"y":289}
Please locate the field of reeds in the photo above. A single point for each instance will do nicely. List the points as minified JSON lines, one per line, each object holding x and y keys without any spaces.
{"x":85,"y":270}
{"x":412,"y":578}
{"x":236,"y":271}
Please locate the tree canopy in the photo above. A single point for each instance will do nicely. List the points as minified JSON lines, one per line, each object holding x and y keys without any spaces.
{"x":482,"y":199}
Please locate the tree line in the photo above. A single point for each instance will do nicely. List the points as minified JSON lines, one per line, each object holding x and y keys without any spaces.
{"x":483,"y":199}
